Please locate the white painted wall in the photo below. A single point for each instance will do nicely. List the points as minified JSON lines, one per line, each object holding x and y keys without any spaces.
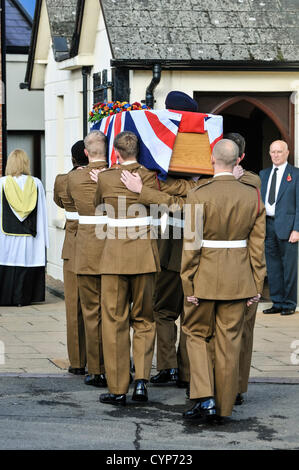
{"x":102,"y":53}
{"x":63,"y":127}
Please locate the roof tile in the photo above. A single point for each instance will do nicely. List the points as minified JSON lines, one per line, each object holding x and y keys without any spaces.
{"x":207,"y":30}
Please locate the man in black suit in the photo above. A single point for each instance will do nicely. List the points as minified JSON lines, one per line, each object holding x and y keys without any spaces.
{"x":280,"y":193}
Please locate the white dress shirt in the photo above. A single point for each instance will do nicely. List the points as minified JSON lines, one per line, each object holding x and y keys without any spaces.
{"x":129,"y":162}
{"x":223,"y":173}
{"x":270,"y":210}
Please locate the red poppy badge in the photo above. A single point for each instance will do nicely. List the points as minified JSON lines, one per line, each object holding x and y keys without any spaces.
{"x":289,"y":178}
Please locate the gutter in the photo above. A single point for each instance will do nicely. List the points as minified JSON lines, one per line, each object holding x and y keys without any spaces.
{"x":34,"y":33}
{"x":214,"y":65}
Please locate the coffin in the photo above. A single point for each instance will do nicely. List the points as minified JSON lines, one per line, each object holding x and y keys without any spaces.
{"x":191,"y":154}
{"x":197,"y":134}
{"x":185,"y":150}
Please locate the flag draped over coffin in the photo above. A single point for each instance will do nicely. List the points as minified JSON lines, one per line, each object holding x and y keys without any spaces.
{"x":157,"y":131}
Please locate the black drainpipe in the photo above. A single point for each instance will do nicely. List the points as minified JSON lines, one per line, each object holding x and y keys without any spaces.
{"x":149,"y":95}
{"x":85,"y":74}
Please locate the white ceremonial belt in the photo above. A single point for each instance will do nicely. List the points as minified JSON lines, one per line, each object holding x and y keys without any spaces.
{"x":92,"y":219}
{"x":176,"y":222}
{"x":71,"y":215}
{"x":224,"y":243}
{"x":134,"y":222}
{"x":169,"y":221}
{"x":156,"y":222}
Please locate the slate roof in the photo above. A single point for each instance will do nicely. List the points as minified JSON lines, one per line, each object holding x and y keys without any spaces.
{"x":18,"y":26}
{"x":220,"y":34}
{"x":203,"y":30}
{"x":62,"y":19}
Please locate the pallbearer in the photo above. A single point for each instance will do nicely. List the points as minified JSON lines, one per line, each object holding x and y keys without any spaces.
{"x":245,"y":176}
{"x":74,"y":320}
{"x":220,"y":274}
{"x":81,"y":190}
{"x":128,"y":267}
{"x":172,"y":363}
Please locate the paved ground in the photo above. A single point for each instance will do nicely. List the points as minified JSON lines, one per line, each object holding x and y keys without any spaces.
{"x":34,"y":341}
{"x":43,"y":407}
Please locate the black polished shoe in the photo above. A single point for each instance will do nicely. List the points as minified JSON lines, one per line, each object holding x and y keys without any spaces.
{"x":140,"y":391}
{"x":239,"y":399}
{"x":165,"y":376}
{"x":97,"y":380}
{"x":272,"y":310}
{"x":287,"y":311}
{"x":77,"y":370}
{"x":112,"y":399}
{"x":202,"y":408}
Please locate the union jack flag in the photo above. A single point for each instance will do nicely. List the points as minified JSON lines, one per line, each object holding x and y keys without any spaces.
{"x":157,"y":131}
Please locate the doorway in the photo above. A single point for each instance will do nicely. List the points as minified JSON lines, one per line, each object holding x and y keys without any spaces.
{"x":257,"y":129}
{"x":260,"y":118}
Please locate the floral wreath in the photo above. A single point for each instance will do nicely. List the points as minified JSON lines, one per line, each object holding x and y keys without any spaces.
{"x":101,"y":110}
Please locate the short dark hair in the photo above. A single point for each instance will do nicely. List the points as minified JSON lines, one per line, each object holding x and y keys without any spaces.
{"x":127,"y":144}
{"x":238,"y":139}
{"x":78,"y":155}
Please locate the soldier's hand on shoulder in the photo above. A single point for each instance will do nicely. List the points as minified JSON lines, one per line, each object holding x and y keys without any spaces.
{"x":238,"y":171}
{"x":132,"y":181}
{"x":94,"y":174}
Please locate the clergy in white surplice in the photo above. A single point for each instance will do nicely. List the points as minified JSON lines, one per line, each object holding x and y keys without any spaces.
{"x":23,"y":234}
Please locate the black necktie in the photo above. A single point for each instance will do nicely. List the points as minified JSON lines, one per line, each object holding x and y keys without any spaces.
{"x":271,"y":197}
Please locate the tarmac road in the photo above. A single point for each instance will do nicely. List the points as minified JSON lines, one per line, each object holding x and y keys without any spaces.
{"x":42,"y":407}
{"x":61,"y":413}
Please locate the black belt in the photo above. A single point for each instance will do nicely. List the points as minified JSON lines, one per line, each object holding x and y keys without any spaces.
{"x":270,"y":217}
